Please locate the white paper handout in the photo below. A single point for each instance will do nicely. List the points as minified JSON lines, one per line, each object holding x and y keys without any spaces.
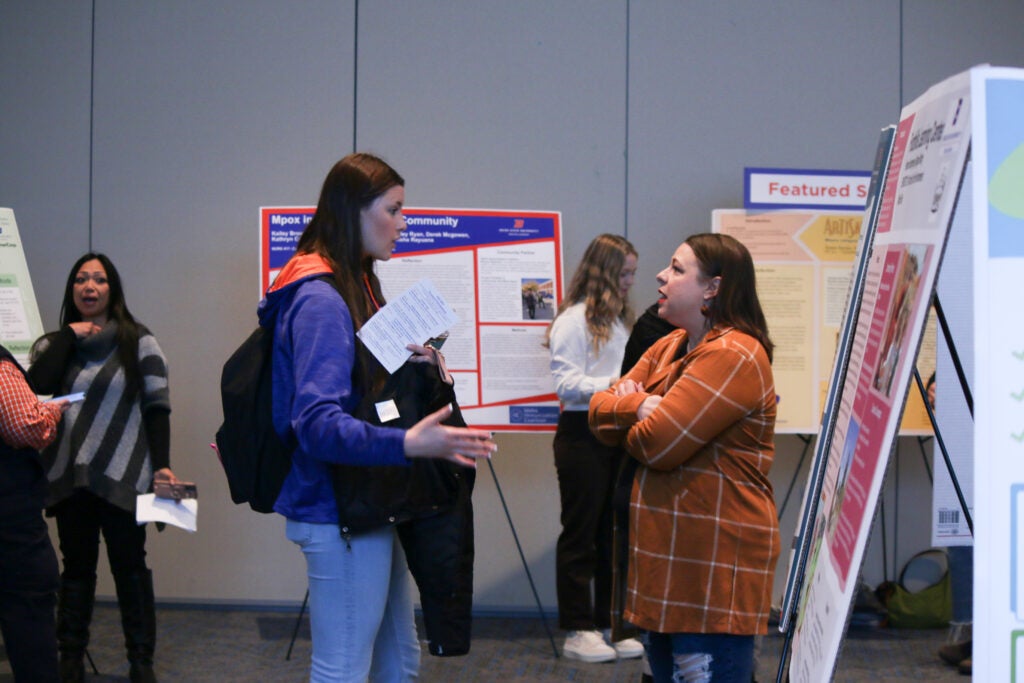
{"x":180,"y":513}
{"x":418,"y":314}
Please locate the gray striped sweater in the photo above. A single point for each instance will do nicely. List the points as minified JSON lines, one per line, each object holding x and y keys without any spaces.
{"x":102,"y":444}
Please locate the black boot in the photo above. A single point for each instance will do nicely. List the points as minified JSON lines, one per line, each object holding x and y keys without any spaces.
{"x":138,"y":620}
{"x":74,"y":612}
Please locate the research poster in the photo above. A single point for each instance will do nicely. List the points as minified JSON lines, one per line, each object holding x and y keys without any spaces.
{"x":804,"y":261}
{"x":928,"y":159}
{"x":20,"y":324}
{"x":998,"y":255}
{"x":500,"y":271}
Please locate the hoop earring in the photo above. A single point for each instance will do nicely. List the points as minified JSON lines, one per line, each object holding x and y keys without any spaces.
{"x":705,"y":311}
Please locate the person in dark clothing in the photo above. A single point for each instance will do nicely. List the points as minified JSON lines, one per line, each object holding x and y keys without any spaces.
{"x":112,"y":446}
{"x":647,"y":329}
{"x":531,"y":304}
{"x":586,"y":340}
{"x":28,"y":565}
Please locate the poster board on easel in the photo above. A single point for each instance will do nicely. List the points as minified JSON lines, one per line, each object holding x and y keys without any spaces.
{"x":997,"y":176}
{"x":483,"y":262}
{"x":20,"y":324}
{"x":922,"y":181}
{"x":844,"y":343}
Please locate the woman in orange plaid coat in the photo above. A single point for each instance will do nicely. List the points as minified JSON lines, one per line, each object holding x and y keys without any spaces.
{"x":698,"y":414}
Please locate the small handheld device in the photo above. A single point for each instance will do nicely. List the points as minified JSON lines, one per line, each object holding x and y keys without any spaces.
{"x":437,"y":342}
{"x":177,"y":491}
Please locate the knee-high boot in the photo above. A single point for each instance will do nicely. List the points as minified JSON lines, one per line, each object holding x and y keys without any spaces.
{"x":138,"y":620}
{"x":74,"y":612}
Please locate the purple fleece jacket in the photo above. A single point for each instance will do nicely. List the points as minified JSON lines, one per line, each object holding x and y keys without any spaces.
{"x":314,"y":354}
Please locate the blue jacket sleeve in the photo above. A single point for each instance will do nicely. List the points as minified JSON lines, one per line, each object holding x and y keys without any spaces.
{"x":320,"y":339}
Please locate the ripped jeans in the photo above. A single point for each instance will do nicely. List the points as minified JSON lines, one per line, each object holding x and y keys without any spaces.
{"x":700,"y":657}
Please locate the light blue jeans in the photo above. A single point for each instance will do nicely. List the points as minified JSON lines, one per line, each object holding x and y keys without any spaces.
{"x":360,"y":605}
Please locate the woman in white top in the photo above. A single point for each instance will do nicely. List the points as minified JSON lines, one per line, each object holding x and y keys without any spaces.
{"x":587,"y":340}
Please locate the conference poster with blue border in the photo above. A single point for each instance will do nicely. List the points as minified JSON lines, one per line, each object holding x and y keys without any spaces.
{"x":500,"y":271}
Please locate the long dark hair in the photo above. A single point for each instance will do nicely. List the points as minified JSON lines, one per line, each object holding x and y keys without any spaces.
{"x":117,"y":310}
{"x":352,"y":184}
{"x":596,"y":284}
{"x":736,"y":303}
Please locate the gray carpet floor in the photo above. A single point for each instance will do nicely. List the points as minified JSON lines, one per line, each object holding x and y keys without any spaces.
{"x":223,"y":646}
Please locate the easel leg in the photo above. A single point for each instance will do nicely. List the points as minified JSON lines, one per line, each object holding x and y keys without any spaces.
{"x":298,"y":622}
{"x":522,"y":557}
{"x":796,"y":473}
{"x":95,"y":671}
{"x":921,"y":440}
{"x":945,"y":453}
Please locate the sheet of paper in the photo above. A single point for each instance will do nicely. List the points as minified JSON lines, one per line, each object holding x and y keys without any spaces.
{"x":183,"y":513}
{"x":418,"y":314}
{"x":70,"y":398}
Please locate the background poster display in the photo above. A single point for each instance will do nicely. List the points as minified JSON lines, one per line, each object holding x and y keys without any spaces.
{"x":20,"y":324}
{"x":998,"y":259}
{"x":804,"y":261}
{"x":928,"y":158}
{"x":954,"y":291}
{"x":500,"y":271}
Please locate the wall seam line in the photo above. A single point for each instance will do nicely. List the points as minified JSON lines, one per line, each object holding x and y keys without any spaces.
{"x":92,"y":118}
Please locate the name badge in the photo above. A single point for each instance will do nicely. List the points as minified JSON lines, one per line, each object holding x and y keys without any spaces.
{"x":387,"y":411}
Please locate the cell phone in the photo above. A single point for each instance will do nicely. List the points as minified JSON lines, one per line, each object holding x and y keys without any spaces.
{"x":437,"y":342}
{"x":178,"y":491}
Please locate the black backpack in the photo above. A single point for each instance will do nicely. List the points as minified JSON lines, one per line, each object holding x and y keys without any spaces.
{"x":255,"y":460}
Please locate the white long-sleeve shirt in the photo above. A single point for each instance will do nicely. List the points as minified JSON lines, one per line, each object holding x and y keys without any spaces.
{"x":578,"y":371}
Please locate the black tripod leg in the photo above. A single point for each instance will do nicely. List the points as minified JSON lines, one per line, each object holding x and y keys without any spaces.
{"x":522,"y":557}
{"x":298,"y":622}
{"x":945,"y":453}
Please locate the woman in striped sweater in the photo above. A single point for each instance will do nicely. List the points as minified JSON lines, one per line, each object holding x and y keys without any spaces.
{"x":110,"y":448}
{"x":698,"y":414}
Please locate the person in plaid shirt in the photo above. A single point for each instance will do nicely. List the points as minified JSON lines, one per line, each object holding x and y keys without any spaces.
{"x":698,"y":414}
{"x":28,"y":565}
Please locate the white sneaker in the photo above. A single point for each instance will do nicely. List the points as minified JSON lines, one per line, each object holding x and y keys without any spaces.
{"x":587,"y":646}
{"x":629,"y":648}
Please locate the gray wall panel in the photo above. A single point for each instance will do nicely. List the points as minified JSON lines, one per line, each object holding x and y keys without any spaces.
{"x":944,"y":38}
{"x":716,"y":87}
{"x":501,"y":105}
{"x":201,"y":116}
{"x":44,"y":136}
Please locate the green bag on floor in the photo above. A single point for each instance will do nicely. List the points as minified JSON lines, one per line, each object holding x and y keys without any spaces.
{"x":923,"y":597}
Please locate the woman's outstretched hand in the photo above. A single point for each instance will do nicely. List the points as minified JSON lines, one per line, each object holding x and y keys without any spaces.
{"x":428,"y":438}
